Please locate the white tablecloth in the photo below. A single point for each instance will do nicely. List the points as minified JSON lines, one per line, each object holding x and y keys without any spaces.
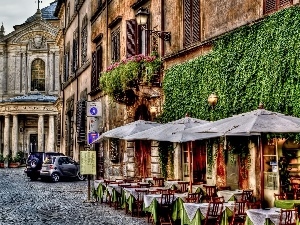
{"x":132,"y":191}
{"x":117,"y":187}
{"x":97,"y":182}
{"x":259,"y":216}
{"x":227,"y":194}
{"x":149,"y":198}
{"x":192,"y":208}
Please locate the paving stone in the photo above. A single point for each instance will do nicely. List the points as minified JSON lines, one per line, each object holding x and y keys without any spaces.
{"x":25,"y":202}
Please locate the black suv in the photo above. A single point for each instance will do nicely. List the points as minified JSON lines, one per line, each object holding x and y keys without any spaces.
{"x":34,"y":163}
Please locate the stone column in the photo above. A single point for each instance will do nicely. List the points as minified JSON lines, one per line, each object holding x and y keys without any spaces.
{"x":14,"y":135}
{"x":41,"y":133}
{"x":51,"y":135}
{"x":6,"y":135}
{"x":178,"y":170}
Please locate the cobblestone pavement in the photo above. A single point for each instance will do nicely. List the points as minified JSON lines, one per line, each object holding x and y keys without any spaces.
{"x":25,"y":202}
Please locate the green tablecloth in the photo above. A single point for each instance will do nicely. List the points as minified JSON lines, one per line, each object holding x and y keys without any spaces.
{"x":198,"y":219}
{"x":152,"y":209}
{"x":286,"y":204}
{"x":100,"y":191}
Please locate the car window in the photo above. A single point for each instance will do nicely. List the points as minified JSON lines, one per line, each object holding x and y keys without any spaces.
{"x":50,"y":159}
{"x":70,"y":160}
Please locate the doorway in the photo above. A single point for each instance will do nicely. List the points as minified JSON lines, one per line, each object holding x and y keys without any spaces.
{"x":33,"y":143}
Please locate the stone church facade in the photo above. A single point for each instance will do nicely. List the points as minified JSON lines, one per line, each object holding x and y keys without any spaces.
{"x":29,"y":85}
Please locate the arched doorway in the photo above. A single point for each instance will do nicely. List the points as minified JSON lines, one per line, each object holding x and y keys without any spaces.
{"x":142,"y":147}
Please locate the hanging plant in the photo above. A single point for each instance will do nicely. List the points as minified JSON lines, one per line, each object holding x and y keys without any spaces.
{"x":128,"y":73}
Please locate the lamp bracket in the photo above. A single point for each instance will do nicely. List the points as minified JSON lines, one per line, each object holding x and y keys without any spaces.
{"x":166,"y":36}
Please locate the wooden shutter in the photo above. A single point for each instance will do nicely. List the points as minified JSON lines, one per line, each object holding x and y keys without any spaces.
{"x":187,"y":22}
{"x":131,"y":42}
{"x":80,"y":121}
{"x":99,"y":61}
{"x":285,"y":2}
{"x":94,"y":71}
{"x":195,"y":21}
{"x":270,"y":6}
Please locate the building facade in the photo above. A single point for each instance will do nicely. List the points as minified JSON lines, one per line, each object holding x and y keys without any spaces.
{"x":29,"y":85}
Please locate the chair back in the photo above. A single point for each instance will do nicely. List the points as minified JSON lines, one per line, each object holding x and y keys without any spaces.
{"x":280,"y":196}
{"x":167,"y":199}
{"x":211,"y":191}
{"x":215,"y":209}
{"x":143,"y":185}
{"x":218,"y":199}
{"x":140,"y":195}
{"x":162,"y":190}
{"x":158,"y":182}
{"x":254,"y":205}
{"x":247,"y":195}
{"x":240,"y":208}
{"x":288,"y":217}
{"x":183,"y":186}
{"x":223,"y":188}
{"x":153,"y":191}
{"x":193,"y":198}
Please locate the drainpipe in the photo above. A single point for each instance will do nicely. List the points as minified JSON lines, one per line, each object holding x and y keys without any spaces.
{"x":162,"y":22}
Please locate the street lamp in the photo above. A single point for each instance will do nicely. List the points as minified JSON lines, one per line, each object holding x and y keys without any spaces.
{"x":212,"y":100}
{"x":141,"y":19}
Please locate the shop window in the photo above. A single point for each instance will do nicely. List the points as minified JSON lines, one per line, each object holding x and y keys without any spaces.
{"x":38,"y":75}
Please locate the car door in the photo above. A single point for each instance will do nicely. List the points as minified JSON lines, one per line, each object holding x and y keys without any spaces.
{"x":64,"y":166}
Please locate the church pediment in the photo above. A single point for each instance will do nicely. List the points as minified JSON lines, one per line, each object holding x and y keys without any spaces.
{"x":35,"y":33}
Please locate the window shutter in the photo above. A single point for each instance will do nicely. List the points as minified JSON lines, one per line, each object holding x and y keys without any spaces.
{"x":187,"y":22}
{"x":270,"y":5}
{"x":195,"y":21}
{"x":131,"y":38}
{"x":80,"y":121}
{"x":94,"y":71}
{"x":285,"y":2}
{"x":99,"y":61}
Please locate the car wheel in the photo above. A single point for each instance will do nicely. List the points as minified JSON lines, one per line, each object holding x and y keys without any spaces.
{"x":55,"y":177}
{"x":34,"y":163}
{"x":80,"y":176}
{"x":34,"y":178}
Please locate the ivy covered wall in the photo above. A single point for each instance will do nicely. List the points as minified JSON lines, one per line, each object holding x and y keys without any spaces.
{"x":256,"y":63}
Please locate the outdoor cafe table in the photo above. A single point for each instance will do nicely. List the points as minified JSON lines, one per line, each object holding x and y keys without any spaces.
{"x":286,"y":204}
{"x":112,"y":190}
{"x":172,"y":183}
{"x":151,"y":203}
{"x":229,"y":195}
{"x":194,"y":213}
{"x":269,"y":216}
{"x":130,"y":195}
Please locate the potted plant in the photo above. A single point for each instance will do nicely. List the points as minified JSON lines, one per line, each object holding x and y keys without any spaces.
{"x":15,"y":162}
{"x":2,"y":159}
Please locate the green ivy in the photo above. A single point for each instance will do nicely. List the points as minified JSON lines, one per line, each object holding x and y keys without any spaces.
{"x":165,"y":153}
{"x":253,"y":64}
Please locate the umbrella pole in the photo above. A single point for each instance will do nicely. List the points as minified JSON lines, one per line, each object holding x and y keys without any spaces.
{"x":190,"y":166}
{"x":261,"y":168}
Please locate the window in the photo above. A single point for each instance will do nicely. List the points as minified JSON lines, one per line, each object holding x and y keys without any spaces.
{"x":191,"y":11}
{"x":68,"y":14}
{"x":274,"y":5}
{"x":115,"y":45}
{"x":75,"y":51}
{"x":137,"y":39}
{"x":66,"y":62}
{"x":38,"y":75}
{"x":75,"y":5}
{"x":96,"y":67}
{"x":84,"y":37}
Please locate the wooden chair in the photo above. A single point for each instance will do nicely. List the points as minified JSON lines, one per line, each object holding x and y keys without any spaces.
{"x":254,"y":205}
{"x":214,"y":213}
{"x":280,"y":196}
{"x":193,"y":198}
{"x":218,"y":199}
{"x":223,"y":188}
{"x":247,"y":195}
{"x":183,"y":186}
{"x":239,"y":213}
{"x":162,"y":190}
{"x":158,"y":182}
{"x":153,"y":191}
{"x":144,"y":185}
{"x":288,"y":217}
{"x":139,"y":201}
{"x":165,"y":209}
{"x":210,"y":192}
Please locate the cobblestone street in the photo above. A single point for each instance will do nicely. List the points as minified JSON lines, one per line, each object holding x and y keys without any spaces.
{"x":25,"y":202}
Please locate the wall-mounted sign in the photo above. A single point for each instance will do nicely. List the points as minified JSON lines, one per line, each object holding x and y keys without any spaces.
{"x":92,"y":136}
{"x":93,"y":109}
{"x":88,"y":162}
{"x":93,"y":124}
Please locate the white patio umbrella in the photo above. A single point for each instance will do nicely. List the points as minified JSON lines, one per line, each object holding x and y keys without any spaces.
{"x":252,"y":123}
{"x":127,"y":129}
{"x":164,"y":132}
{"x":168,"y":132}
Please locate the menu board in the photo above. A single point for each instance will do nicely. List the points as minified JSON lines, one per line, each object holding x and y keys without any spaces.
{"x":88,"y":162}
